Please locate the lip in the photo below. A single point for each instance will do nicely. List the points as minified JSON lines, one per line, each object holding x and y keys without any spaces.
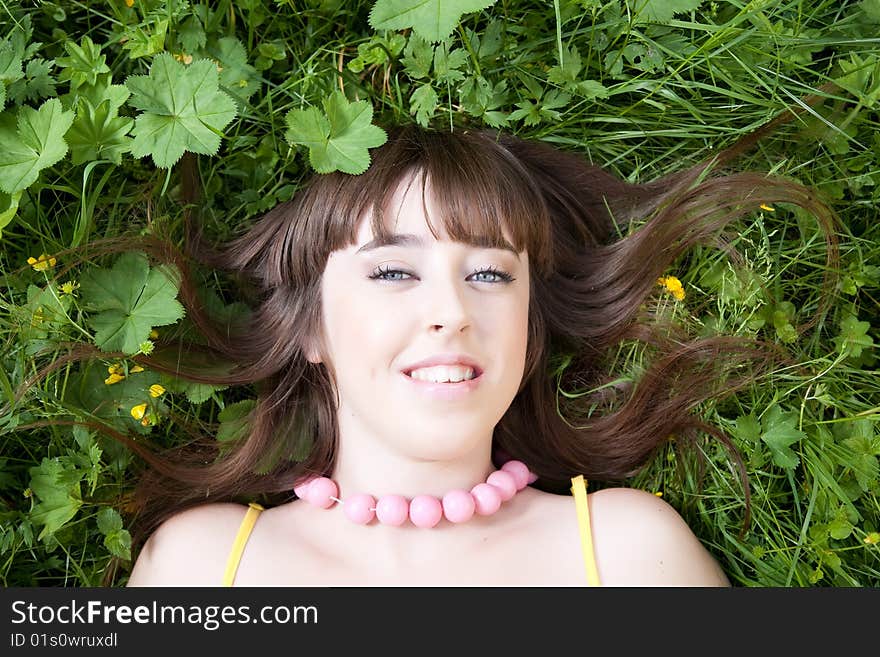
{"x":445,"y":391}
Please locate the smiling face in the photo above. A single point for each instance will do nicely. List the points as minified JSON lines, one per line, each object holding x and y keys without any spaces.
{"x":388,"y":307}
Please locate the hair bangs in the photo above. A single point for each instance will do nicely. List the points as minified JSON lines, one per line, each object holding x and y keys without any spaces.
{"x":484,"y":196}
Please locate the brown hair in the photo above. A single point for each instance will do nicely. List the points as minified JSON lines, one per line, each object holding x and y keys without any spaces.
{"x":596,"y":247}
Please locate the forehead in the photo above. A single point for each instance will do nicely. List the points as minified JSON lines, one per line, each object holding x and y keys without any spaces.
{"x":410,"y":215}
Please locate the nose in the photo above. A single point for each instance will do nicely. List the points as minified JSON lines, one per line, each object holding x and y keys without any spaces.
{"x":447,"y":305}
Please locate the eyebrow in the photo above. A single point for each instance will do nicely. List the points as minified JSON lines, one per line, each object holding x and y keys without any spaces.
{"x":415,"y":241}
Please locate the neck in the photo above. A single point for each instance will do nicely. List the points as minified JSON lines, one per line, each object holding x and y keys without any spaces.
{"x":395,"y":474}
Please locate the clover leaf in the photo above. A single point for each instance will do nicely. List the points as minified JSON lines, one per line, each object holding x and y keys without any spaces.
{"x":130,"y":300}
{"x":36,"y":144}
{"x":433,"y":20}
{"x":337,"y":139}
{"x":184,"y":110}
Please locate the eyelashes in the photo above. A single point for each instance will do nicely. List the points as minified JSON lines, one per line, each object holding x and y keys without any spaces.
{"x":382,"y":273}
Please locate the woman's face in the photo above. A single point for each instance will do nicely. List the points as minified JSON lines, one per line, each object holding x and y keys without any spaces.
{"x":387,"y":308}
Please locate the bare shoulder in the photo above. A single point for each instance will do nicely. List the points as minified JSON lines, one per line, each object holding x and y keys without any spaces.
{"x":190,"y":548}
{"x":640,"y":540}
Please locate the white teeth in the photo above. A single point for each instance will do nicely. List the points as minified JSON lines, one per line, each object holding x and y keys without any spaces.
{"x":443,"y":374}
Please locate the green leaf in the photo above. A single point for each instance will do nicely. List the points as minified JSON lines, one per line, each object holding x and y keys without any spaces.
{"x":37,"y":83}
{"x":109,"y":520}
{"x":433,"y":20}
{"x":119,"y":544}
{"x":853,"y":337}
{"x":8,"y":208}
{"x":57,"y":487}
{"x":184,"y":110}
{"x":10,"y":64}
{"x":417,"y":57}
{"x":83,"y":65}
{"x":779,"y":433}
{"x":748,"y":428}
{"x":237,"y":77}
{"x":339,"y":138}
{"x":140,"y":43}
{"x":98,"y":133}
{"x":446,"y":64}
{"x":566,"y":73}
{"x":235,"y":420}
{"x":130,"y":300}
{"x":423,"y":103}
{"x":660,"y":11}
{"x":871,"y":9}
{"x":37,"y":144}
{"x":191,"y":34}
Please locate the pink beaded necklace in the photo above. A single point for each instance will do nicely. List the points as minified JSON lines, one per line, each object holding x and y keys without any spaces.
{"x":423,"y":510}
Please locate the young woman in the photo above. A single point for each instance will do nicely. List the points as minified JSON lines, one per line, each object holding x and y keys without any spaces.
{"x":413,"y":326}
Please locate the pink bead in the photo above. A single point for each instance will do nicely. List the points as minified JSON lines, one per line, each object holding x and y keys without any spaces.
{"x":504,"y":482}
{"x":302,"y":488}
{"x":392,"y":510}
{"x":320,"y":492}
{"x":520,"y":472}
{"x":487,"y":499}
{"x":425,"y":511}
{"x":359,"y":508}
{"x":458,"y":506}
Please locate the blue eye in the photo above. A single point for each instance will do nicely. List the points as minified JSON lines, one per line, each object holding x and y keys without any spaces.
{"x":384,"y":274}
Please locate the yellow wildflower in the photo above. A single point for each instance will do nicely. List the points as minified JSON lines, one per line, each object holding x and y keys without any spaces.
{"x":767,"y":208}
{"x":42,"y":263}
{"x":658,"y":493}
{"x":137,"y":412}
{"x":873,"y":538}
{"x":672,"y":285}
{"x":136,"y":369}
{"x":156,"y":390}
{"x":113,"y":378}
{"x":129,"y":3}
{"x":116,"y":368}
{"x":69,"y":287}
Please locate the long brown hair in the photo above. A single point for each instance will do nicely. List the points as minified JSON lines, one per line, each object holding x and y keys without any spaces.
{"x":596,"y":247}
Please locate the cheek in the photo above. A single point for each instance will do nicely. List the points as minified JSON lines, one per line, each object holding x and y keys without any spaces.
{"x":360,"y":335}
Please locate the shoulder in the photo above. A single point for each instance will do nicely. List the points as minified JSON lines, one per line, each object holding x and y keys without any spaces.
{"x":190,"y":548}
{"x":640,"y":540}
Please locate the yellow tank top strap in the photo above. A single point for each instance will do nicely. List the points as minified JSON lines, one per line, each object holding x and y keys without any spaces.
{"x":244,"y":532}
{"x":579,"y":490}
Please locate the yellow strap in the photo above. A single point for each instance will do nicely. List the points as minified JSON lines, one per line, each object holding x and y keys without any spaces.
{"x":579,"y":490}
{"x":244,"y":532}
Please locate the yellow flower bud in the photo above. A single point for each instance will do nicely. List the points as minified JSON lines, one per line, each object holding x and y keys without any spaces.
{"x":136,"y":369}
{"x":767,"y":208}
{"x":137,"y":412}
{"x":113,"y":378}
{"x":156,"y":390}
{"x":42,"y":263}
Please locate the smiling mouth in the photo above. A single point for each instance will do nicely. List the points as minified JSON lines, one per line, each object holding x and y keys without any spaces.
{"x":477,"y":375}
